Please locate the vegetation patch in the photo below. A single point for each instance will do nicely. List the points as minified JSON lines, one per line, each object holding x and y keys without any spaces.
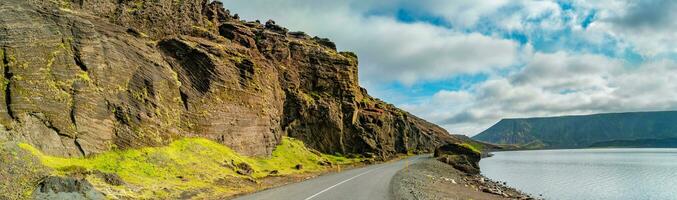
{"x":307,"y":97}
{"x":191,"y":164}
{"x":476,"y":147}
{"x":19,"y":172}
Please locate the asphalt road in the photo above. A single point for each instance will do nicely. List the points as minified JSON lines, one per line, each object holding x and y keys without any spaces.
{"x":368,"y":183}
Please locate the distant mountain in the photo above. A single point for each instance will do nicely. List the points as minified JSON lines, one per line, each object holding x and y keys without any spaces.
{"x":583,"y":131}
{"x":640,"y":143}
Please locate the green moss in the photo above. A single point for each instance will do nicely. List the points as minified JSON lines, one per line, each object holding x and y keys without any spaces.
{"x":20,"y":172}
{"x":236,"y":59}
{"x":191,"y":164}
{"x":210,"y":25}
{"x":366,"y":100}
{"x":18,"y":77}
{"x":62,"y":3}
{"x":307,"y":97}
{"x":141,"y":96}
{"x":84,"y":76}
{"x":349,"y":54}
{"x":315,"y":94}
{"x":3,"y":81}
{"x":471,"y":147}
{"x":201,"y":30}
{"x":136,"y":5}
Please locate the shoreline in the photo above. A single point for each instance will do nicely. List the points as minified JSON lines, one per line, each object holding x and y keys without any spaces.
{"x":490,"y":153}
{"x":432,"y":179}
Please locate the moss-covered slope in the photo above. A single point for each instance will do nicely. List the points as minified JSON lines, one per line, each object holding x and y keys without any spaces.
{"x":190,"y":167}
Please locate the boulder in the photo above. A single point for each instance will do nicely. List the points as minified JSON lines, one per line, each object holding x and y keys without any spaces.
{"x":66,"y":188}
{"x":324,"y":163}
{"x":460,"y":157}
{"x":270,"y":25}
{"x":110,"y":178}
{"x":244,"y":169}
{"x":326,"y":42}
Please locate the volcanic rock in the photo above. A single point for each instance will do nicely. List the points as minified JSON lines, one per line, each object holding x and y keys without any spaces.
{"x":85,"y":77}
{"x":460,"y":157}
{"x":66,"y":188}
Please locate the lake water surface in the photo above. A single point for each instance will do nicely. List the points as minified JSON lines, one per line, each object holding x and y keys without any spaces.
{"x":581,"y":174}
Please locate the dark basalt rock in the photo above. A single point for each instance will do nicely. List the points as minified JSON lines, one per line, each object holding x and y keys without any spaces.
{"x":326,"y":42}
{"x":215,"y":12}
{"x":66,"y":188}
{"x":270,"y":25}
{"x":324,"y":163}
{"x":244,"y":169}
{"x":299,"y":34}
{"x":460,"y":157}
{"x":110,"y":178}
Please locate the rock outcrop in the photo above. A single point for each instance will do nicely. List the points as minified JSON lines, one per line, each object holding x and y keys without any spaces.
{"x":84,"y":77}
{"x":459,"y":156}
{"x":66,"y":188}
{"x":19,"y":172}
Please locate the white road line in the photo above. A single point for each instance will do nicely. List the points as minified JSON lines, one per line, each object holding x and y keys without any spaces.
{"x":351,"y":178}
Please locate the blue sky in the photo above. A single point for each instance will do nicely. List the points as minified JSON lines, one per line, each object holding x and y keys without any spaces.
{"x":467,"y":64}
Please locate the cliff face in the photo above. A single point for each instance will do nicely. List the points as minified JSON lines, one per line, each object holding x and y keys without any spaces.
{"x":83,"y":77}
{"x":582,"y":131}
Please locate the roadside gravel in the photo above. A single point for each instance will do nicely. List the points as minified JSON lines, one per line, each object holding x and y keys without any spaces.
{"x":431,"y":180}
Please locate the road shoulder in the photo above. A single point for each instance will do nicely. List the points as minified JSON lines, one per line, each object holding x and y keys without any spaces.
{"x":432,"y":179}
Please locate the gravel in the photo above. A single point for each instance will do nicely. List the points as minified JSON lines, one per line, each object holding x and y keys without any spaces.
{"x":432,"y":179}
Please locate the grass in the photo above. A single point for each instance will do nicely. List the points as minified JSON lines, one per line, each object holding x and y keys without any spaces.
{"x":471,"y":147}
{"x":189,"y":164}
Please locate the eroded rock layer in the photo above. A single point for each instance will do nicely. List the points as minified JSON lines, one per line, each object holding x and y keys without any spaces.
{"x":83,"y":77}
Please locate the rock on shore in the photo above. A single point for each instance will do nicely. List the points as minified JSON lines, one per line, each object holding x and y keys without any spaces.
{"x":461,"y":157}
{"x":434,"y":180}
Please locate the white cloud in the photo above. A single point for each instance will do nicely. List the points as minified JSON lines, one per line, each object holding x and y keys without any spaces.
{"x":646,"y":25}
{"x":560,"y":71}
{"x":406,"y":52}
{"x":556,"y":84}
{"x":523,"y":81}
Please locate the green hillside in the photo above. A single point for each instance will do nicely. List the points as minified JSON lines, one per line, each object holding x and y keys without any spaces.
{"x":581,"y":131}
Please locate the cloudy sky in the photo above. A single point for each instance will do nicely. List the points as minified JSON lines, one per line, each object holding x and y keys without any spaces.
{"x":465,"y":64}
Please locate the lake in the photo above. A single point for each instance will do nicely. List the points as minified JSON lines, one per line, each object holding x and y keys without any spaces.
{"x":581,"y":174}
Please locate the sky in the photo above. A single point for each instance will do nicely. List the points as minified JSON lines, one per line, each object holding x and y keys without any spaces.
{"x":467,"y":64}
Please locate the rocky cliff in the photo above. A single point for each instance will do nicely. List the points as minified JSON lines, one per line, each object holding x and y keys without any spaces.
{"x":582,"y":131}
{"x":84,"y":77}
